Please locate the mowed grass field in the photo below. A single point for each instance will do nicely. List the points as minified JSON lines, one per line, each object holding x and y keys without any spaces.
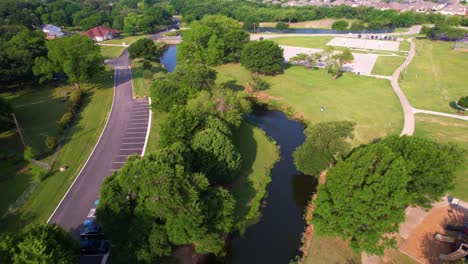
{"x":369,"y":102}
{"x":306,"y":42}
{"x":445,"y":130}
{"x":111,"y":52}
{"x":259,"y":154}
{"x":79,"y":142}
{"x":128,"y":39}
{"x":319,"y":24}
{"x":386,"y":65}
{"x":325,"y":250}
{"x":141,"y":84}
{"x":436,"y":77}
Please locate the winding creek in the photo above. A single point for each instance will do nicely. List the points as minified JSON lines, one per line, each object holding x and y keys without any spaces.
{"x":276,"y":238}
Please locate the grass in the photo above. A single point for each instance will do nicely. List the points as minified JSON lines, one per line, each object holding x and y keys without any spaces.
{"x":38,"y":110}
{"x":325,"y":250}
{"x":128,"y":39}
{"x":79,"y":143}
{"x":369,"y":102}
{"x":436,"y":77}
{"x":259,"y":154}
{"x":153,"y":138}
{"x":318,"y":24}
{"x":306,"y":42}
{"x":404,"y":46}
{"x":140,"y":84}
{"x":386,"y":65}
{"x":445,"y":130}
{"x":14,"y":182}
{"x":111,"y":52}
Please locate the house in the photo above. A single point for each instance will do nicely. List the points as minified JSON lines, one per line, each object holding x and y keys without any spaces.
{"x":101,"y":33}
{"x":52,"y":31}
{"x":457,"y":9}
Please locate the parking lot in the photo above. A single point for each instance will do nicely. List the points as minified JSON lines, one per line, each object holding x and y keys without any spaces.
{"x":364,"y":43}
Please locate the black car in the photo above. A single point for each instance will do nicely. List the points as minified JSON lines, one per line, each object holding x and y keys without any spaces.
{"x":92,"y":245}
{"x":91,"y":229}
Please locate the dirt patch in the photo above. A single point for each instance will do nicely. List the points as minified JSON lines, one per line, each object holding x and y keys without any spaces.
{"x":421,"y":243}
{"x":187,"y":255}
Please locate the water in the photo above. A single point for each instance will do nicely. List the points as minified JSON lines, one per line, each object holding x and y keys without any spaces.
{"x":276,"y":238}
{"x":169,"y":58}
{"x":321,"y":31}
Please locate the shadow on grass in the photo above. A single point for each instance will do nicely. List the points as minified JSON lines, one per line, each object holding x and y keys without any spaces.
{"x":233,"y":85}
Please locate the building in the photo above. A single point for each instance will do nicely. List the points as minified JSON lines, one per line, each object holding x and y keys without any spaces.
{"x":101,"y":33}
{"x":52,"y":31}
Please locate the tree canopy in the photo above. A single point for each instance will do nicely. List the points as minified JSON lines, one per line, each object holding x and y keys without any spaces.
{"x":156,"y":202}
{"x":262,"y":56}
{"x":340,"y":25}
{"x":39,"y":243}
{"x":324,"y":143}
{"x":143,"y":48}
{"x":363,"y":199}
{"x":76,"y":56}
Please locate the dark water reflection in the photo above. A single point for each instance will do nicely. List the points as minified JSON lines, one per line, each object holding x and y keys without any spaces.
{"x":169,"y":58}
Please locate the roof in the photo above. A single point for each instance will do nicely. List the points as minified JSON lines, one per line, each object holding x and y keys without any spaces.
{"x":100,"y":31}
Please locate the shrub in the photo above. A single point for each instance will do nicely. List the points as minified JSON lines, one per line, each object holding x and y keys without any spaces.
{"x":463,"y":102}
{"x":259,"y":84}
{"x":340,"y":25}
{"x":74,"y":100}
{"x":65,"y":120}
{"x":147,"y":65}
{"x":29,"y":153}
{"x":147,"y":74}
{"x":51,"y":143}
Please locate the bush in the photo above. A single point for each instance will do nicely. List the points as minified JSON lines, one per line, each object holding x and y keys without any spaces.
{"x":147,"y":65}
{"x":65,"y":120}
{"x":51,"y":143}
{"x":259,"y":84}
{"x":463,"y":102}
{"x":29,"y":153}
{"x":148,"y":74}
{"x":74,"y":100}
{"x":262,"y":56}
{"x":340,"y":25}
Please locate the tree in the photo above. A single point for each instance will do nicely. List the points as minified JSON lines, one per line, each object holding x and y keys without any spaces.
{"x":132,"y":23}
{"x":363,"y":199}
{"x":281,"y":26}
{"x":156,"y":202}
{"x":6,"y":120}
{"x":325,"y":143}
{"x":262,"y":56}
{"x":339,"y":60}
{"x":39,"y":243}
{"x":218,"y":158}
{"x":214,"y":51}
{"x":179,"y":126}
{"x":340,"y":25}
{"x":143,"y":48}
{"x":29,"y":153}
{"x":76,"y":56}
{"x":431,"y":166}
{"x":463,"y":102}
{"x":357,"y":26}
{"x":309,"y":60}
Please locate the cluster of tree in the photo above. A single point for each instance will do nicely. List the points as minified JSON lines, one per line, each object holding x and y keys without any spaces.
{"x":145,"y":48}
{"x":132,"y":15}
{"x":444,"y":31}
{"x":251,"y":13}
{"x":333,"y":61}
{"x":41,"y":243}
{"x":213,"y":40}
{"x":263,"y":56}
{"x":340,"y":25}
{"x":365,"y":195}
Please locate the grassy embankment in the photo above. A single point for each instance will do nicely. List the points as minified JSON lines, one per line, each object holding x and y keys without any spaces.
{"x":125,"y":38}
{"x":364,"y":100}
{"x":436,"y":76}
{"x":140,"y":83}
{"x":111,"y":52}
{"x":317,"y":24}
{"x":78,"y":144}
{"x":445,"y":130}
{"x":386,"y":65}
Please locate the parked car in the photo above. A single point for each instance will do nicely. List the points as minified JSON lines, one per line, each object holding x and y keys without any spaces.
{"x":92,"y":245}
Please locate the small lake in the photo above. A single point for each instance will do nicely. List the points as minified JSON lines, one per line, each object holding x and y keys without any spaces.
{"x":321,"y":31}
{"x":276,"y":238}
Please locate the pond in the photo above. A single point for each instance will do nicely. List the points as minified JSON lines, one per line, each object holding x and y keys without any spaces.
{"x":276,"y":237}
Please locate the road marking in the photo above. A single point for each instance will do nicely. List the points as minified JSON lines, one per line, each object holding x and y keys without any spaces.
{"x":127,"y":155}
{"x":119,"y":162}
{"x":92,"y":212}
{"x":132,"y":137}
{"x":115,"y":169}
{"x":133,"y":143}
{"x":136,"y":128}
{"x":140,"y":119}
{"x":135,"y":132}
{"x":146,"y":123}
{"x":131,"y":149}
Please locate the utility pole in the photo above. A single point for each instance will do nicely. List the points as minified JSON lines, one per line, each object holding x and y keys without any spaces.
{"x":19,"y":130}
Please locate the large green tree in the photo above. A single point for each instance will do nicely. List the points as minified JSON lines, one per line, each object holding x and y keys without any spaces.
{"x":179,"y":126}
{"x":39,"y":243}
{"x":430,"y":165}
{"x":143,"y":48}
{"x":325,"y":142}
{"x":364,"y":199}
{"x":156,"y":202}
{"x":76,"y":56}
{"x":262,"y":56}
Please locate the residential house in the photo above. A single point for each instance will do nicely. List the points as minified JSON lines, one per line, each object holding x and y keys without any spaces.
{"x":52,"y":31}
{"x":101,"y":33}
{"x":457,"y":9}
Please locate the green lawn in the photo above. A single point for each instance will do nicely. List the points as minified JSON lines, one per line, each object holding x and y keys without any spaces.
{"x":38,"y":110}
{"x":125,"y":38}
{"x":404,"y":46}
{"x":446,"y":130}
{"x":153,"y":137}
{"x":259,"y":154}
{"x":140,"y":84}
{"x":436,"y":77}
{"x":306,"y":42}
{"x":370,"y":102}
{"x":325,"y":250}
{"x":386,"y":65}
{"x":79,"y":143}
{"x":111,"y":52}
